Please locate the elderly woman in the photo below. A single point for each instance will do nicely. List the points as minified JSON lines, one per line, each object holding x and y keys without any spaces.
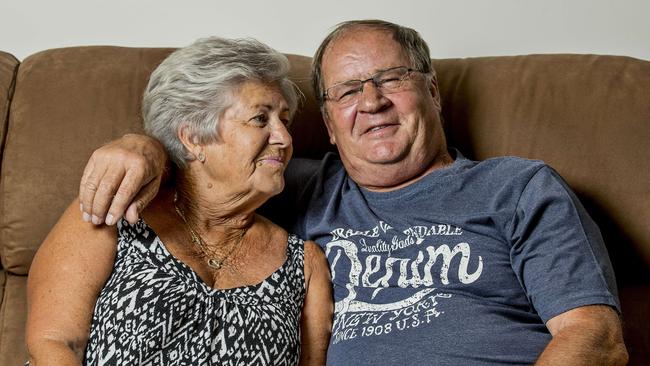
{"x":201,"y":279}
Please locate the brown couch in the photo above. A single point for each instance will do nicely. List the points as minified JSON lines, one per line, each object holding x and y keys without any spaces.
{"x":588,"y":116}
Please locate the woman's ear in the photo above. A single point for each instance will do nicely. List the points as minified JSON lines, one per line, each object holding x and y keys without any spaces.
{"x":190,"y":142}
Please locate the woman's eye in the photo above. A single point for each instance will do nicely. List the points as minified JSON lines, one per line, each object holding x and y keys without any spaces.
{"x":260,"y":119}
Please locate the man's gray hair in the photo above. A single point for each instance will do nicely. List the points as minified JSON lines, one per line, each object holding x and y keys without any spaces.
{"x":414,"y":46}
{"x":194,"y":85}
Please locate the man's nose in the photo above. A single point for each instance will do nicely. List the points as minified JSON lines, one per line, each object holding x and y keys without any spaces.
{"x":371,"y":99}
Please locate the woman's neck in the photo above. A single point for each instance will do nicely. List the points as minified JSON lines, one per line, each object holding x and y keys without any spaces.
{"x":212,"y":211}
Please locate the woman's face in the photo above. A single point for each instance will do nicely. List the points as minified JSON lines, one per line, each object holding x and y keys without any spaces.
{"x":253,"y":145}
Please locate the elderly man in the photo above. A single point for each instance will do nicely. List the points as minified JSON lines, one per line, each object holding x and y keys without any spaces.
{"x":435,"y":259}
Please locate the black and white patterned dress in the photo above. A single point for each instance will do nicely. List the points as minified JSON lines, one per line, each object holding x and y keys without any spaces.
{"x":155,"y":310}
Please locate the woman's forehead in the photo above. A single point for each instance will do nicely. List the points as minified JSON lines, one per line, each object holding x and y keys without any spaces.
{"x":257,"y":94}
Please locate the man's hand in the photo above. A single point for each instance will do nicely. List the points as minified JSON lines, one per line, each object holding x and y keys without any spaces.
{"x":121,"y":177}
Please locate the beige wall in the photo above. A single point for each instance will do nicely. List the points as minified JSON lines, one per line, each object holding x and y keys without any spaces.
{"x":459,"y":28}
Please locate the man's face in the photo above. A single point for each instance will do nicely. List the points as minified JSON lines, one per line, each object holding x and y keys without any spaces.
{"x":383,"y":139}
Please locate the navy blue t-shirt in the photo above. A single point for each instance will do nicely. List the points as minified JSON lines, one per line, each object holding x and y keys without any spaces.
{"x":462,"y":267}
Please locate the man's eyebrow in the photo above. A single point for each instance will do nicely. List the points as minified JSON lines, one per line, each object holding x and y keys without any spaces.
{"x":370,"y":75}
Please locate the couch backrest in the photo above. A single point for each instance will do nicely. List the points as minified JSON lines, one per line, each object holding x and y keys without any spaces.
{"x":66,"y":102}
{"x":587,"y":116}
{"x":8,"y":67}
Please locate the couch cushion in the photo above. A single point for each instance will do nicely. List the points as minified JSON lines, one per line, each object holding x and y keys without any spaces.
{"x":308,"y":130}
{"x":8,"y":67}
{"x":12,"y":321}
{"x":3,"y":280}
{"x":587,"y":116}
{"x":66,"y":103}
{"x":635,"y":301}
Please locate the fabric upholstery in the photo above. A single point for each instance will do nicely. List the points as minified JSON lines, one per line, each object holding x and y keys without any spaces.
{"x":586,"y":115}
{"x":66,"y":103}
{"x":8,"y":67}
{"x":13,"y":315}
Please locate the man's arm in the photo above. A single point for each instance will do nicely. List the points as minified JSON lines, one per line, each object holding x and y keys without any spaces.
{"x":588,"y":335}
{"x":563,"y":265}
{"x":65,"y":279}
{"x":121,"y":178}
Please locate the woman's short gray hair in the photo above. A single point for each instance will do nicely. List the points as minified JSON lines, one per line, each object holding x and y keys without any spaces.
{"x":194,"y":85}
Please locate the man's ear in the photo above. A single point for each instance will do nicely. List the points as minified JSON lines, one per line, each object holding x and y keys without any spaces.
{"x":435,"y":92}
{"x":328,"y":122}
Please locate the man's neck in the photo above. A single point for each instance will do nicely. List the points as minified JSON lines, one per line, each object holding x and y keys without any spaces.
{"x":390,"y":177}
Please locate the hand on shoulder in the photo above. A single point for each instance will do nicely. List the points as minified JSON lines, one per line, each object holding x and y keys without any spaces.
{"x":121,"y":178}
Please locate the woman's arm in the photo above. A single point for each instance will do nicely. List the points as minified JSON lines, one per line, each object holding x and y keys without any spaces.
{"x":65,"y":278}
{"x":316,"y":321}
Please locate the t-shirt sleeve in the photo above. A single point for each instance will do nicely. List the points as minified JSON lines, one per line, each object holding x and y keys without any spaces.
{"x":557,"y":250}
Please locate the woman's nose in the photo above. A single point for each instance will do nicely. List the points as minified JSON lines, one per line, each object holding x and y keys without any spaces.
{"x":279,"y":134}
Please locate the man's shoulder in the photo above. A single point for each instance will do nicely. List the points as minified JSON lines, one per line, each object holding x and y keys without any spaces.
{"x":503,"y":169}
{"x":514,"y":163}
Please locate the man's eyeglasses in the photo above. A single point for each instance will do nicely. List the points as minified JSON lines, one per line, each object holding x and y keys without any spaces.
{"x":388,"y":81}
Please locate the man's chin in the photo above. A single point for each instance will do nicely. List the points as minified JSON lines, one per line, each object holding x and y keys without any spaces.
{"x":386,"y":155}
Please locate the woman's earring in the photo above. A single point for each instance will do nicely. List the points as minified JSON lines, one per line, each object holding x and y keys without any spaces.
{"x":201,"y":157}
